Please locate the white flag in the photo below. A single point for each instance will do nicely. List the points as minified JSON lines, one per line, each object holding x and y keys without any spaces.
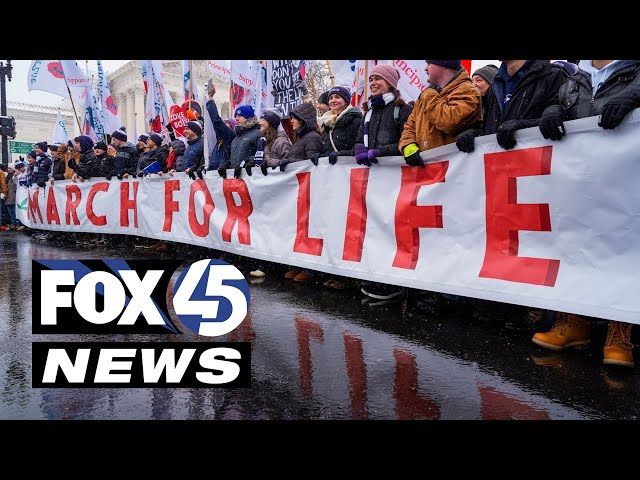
{"x":108,"y":104}
{"x":209,"y":133}
{"x":221,"y":68}
{"x":60,"y":134}
{"x":186,"y":80}
{"x":49,"y":76}
{"x":242,"y":84}
{"x":343,"y":71}
{"x":93,"y":126}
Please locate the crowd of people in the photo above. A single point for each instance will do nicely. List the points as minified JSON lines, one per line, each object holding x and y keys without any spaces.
{"x":454,"y":108}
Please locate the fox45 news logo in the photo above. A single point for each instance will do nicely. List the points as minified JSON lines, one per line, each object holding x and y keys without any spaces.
{"x":116,"y":297}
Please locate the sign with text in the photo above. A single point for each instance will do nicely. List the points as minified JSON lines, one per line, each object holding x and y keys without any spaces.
{"x":286,"y":84}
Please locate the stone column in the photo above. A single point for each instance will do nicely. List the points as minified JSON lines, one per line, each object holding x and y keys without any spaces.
{"x":141,"y":124}
{"x":122,"y":110}
{"x":131,"y":119}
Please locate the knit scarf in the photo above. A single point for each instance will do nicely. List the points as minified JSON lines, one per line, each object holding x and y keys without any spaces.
{"x":329,"y":119}
{"x":375,"y":104}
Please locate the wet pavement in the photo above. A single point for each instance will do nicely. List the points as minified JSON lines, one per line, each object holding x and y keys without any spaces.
{"x":323,"y":354}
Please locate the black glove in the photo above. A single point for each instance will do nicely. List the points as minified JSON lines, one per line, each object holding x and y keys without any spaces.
{"x":200,"y":172}
{"x":283,"y":165}
{"x":333,"y":157}
{"x":108,"y":176}
{"x":237,"y":172}
{"x":119,"y":176}
{"x":314,"y":158}
{"x":40,"y":183}
{"x":264,"y":167}
{"x":140,"y":173}
{"x":192,"y":174}
{"x":222,"y":171}
{"x":614,"y":111}
{"x":413,"y":159}
{"x":551,"y":125}
{"x":248,"y":168}
{"x":466,"y":140}
{"x":506,"y":131}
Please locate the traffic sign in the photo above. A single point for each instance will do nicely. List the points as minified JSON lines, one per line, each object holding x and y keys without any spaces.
{"x":21,"y":147}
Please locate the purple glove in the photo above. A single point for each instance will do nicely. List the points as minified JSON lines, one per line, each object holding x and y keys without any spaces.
{"x":372,"y":154}
{"x":362,"y":157}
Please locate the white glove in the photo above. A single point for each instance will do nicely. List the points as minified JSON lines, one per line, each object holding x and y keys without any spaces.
{"x":2,"y":196}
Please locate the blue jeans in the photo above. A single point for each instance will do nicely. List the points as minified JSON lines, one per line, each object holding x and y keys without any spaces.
{"x":11,"y":211}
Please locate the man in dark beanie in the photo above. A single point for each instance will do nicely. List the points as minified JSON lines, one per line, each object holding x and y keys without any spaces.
{"x":193,"y":158}
{"x":43,"y":164}
{"x":88,"y":165}
{"x":142,"y":143}
{"x":126,"y":159}
{"x":483,"y":78}
{"x":54,"y":147}
{"x":156,"y":138}
{"x":41,"y":148}
{"x":105,"y":161}
{"x":323,"y":104}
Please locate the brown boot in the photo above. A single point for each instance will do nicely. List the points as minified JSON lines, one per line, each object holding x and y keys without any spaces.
{"x":291,"y":274}
{"x":569,"y":331}
{"x":618,"y":347}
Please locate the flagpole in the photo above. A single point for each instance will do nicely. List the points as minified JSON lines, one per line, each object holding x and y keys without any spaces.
{"x":70,"y":97}
{"x":313,"y":92}
{"x":160,"y":89}
{"x":357,"y":83}
{"x":333,"y":83}
{"x":190,"y":82}
{"x":366,"y":76}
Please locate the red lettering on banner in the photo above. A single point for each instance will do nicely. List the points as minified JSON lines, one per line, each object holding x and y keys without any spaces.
{"x":201,"y":230}
{"x":98,"y":220}
{"x":170,"y":205}
{"x":356,"y":215}
{"x":357,"y":372}
{"x":496,"y":405}
{"x":34,"y":206}
{"x":409,"y":404}
{"x":127,"y":204}
{"x":304,"y":243}
{"x":52,"y":208}
{"x":410,"y":217}
{"x":505,"y":217}
{"x":306,"y":329}
{"x":237,"y":213}
{"x":74,"y":195}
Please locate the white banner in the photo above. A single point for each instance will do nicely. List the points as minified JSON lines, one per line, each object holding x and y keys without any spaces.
{"x":549,"y":224}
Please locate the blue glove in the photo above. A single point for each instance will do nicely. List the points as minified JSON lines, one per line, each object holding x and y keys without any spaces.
{"x":333,"y":157}
{"x":372,"y":154}
{"x":362,"y":157}
{"x":314,"y":158}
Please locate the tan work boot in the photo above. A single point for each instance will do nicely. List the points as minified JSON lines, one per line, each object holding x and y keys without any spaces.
{"x":618,"y":347}
{"x":569,"y":331}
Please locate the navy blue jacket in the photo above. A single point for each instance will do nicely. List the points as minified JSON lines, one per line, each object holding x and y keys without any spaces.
{"x":193,"y":154}
{"x":224,"y":136}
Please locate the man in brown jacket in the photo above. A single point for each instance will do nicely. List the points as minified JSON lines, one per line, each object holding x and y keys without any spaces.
{"x":448,"y":106}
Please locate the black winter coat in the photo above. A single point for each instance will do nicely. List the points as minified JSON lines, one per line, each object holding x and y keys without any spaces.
{"x":384,"y":132}
{"x":536,"y":91}
{"x":344,"y":133}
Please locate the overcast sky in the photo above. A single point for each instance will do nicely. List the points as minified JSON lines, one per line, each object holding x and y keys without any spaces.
{"x":17,"y":87}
